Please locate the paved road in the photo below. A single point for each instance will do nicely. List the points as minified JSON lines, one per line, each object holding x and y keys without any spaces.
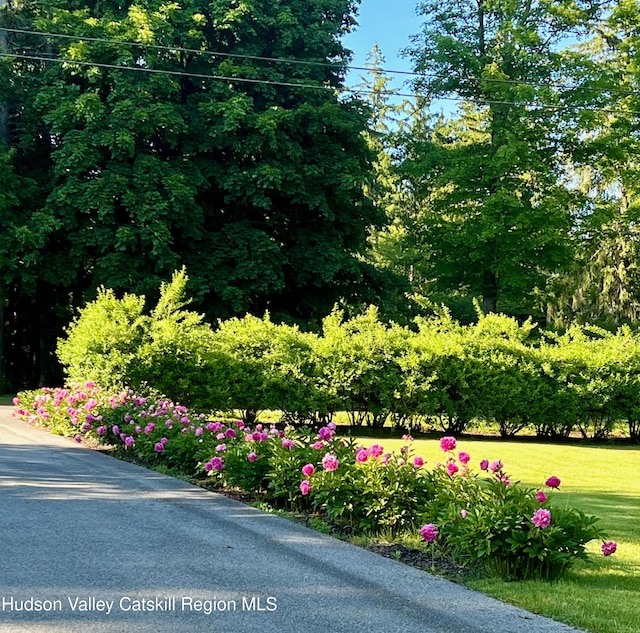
{"x":90,"y":545}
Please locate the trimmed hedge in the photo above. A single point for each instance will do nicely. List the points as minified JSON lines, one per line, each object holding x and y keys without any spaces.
{"x":438,"y":374}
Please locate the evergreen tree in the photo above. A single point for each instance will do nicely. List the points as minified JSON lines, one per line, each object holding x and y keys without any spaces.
{"x":494,"y":214}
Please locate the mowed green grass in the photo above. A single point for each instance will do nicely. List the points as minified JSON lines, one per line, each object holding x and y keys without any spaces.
{"x":604,"y":595}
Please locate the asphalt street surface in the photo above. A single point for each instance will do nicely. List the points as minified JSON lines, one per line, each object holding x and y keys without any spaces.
{"x":90,"y":544}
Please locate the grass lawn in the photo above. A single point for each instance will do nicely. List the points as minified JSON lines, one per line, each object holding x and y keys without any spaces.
{"x":601,"y":597}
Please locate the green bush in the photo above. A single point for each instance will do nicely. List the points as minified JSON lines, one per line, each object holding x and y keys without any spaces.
{"x":114,"y":343}
{"x":508,"y":529}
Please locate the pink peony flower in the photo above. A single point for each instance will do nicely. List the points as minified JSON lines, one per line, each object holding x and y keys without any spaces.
{"x":553,"y":482}
{"x":229,"y":433}
{"x":452,"y":469}
{"x":463,"y":457}
{"x":116,"y":429}
{"x":101,"y":430}
{"x":540,"y":496}
{"x":375,"y":450}
{"x":429,"y":532}
{"x":448,"y":443}
{"x":252,"y":456}
{"x":308,"y":470}
{"x":318,"y":445}
{"x":221,"y":448}
{"x":158,"y":447}
{"x":77,"y":438}
{"x":418,"y":462}
{"x":305,"y":487}
{"x":129,"y":441}
{"x":217,"y":464}
{"x":541,"y":518}
{"x":288,"y":444}
{"x":484,"y":464}
{"x":495,"y":466}
{"x":609,"y":548}
{"x":464,"y":513}
{"x":325,"y":433}
{"x":330,"y":462}
{"x":362,"y":455}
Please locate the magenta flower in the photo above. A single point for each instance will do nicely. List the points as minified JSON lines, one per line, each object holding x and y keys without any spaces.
{"x":452,"y":469}
{"x":463,"y":457}
{"x":375,"y":450}
{"x":553,"y":482}
{"x":484,"y":464}
{"x":221,"y":448}
{"x":609,"y":548}
{"x":264,"y":436}
{"x":158,"y":447}
{"x":252,"y":456}
{"x":464,"y":513}
{"x":495,"y":466}
{"x":116,"y":429}
{"x":288,"y":444}
{"x":325,"y":433}
{"x":229,"y":433}
{"x":330,"y":462}
{"x":448,"y":443}
{"x":362,"y":455}
{"x":305,"y":487}
{"x":129,"y":441}
{"x":541,"y":518}
{"x":101,"y":430}
{"x":418,"y":462}
{"x":308,"y":470}
{"x":429,"y":532}
{"x":163,"y":441}
{"x":217,"y":464}
{"x":149,"y":428}
{"x":318,"y":445}
{"x":540,"y":496}
{"x":77,"y":438}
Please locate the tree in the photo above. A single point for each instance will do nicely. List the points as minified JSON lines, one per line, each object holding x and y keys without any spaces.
{"x":604,"y":283}
{"x":180,"y":135}
{"x":494,"y":214}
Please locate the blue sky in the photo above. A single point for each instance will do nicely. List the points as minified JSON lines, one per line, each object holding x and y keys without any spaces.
{"x":390,"y":23}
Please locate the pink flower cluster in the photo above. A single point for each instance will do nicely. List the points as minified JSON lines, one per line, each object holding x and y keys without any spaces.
{"x":429,"y":532}
{"x":541,"y":518}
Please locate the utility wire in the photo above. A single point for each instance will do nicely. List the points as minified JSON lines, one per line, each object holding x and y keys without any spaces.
{"x":290,"y":61}
{"x":288,"y":84}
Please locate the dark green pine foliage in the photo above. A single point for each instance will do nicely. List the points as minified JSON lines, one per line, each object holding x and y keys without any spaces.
{"x":256,"y":187}
{"x":492,"y":211}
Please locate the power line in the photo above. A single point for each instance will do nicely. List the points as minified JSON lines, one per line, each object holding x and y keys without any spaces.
{"x":288,"y":84}
{"x":303,"y":62}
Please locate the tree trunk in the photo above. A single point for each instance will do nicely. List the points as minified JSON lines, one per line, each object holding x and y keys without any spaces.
{"x":489,"y":292}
